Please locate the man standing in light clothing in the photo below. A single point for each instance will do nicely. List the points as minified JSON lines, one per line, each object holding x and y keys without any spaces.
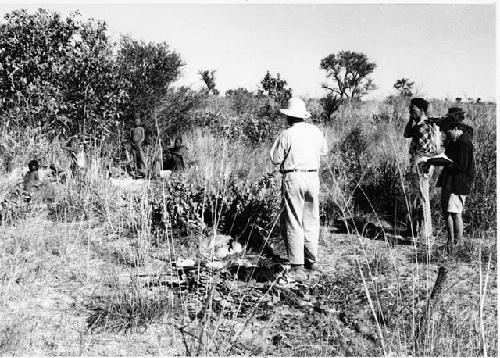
{"x":297,"y":150}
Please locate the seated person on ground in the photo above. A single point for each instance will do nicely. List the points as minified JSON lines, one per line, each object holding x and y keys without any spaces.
{"x":31,"y":179}
{"x":176,"y":154}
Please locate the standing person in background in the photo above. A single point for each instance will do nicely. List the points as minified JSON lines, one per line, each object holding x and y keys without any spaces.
{"x":77,"y":153}
{"x":297,"y":150}
{"x":456,"y":179}
{"x":166,"y":165}
{"x":137,"y":137}
{"x":421,"y":131}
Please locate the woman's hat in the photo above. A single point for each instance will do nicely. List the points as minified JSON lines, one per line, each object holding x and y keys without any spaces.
{"x":296,"y":108}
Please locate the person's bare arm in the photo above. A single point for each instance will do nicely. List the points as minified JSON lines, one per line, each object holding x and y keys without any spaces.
{"x":143,"y":134}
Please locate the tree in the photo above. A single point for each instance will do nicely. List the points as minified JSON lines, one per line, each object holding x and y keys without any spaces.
{"x":276,"y":88}
{"x":56,"y":73}
{"x":176,"y":110}
{"x":404,"y":87}
{"x":145,"y":72}
{"x":349,"y":74}
{"x":208,"y":77}
{"x":241,"y":99}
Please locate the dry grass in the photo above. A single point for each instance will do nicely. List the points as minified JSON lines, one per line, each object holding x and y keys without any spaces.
{"x":77,"y":282}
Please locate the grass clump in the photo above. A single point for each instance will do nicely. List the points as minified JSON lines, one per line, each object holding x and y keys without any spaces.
{"x":128,"y":309}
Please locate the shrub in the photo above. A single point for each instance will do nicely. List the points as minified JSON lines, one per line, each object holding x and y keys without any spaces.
{"x":178,"y":112}
{"x":258,"y":127}
{"x":129,"y":309}
{"x":54,"y":70}
{"x":481,"y":206}
{"x":241,"y":100}
{"x":348,"y":164}
{"x":84,"y":199}
{"x":246,"y":211}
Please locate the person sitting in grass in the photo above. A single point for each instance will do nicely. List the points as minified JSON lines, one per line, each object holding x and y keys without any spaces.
{"x":177,"y":154}
{"x":456,"y":179}
{"x":31,"y":179}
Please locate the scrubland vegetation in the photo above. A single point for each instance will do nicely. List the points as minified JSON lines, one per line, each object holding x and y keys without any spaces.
{"x":94,"y":265}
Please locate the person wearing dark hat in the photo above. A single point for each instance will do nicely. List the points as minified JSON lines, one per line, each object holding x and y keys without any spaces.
{"x":421,"y":131}
{"x":457,"y":114}
{"x":297,"y":150}
{"x":456,"y":179}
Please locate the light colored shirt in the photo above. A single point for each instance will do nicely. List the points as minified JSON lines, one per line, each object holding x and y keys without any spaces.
{"x":299,"y":147}
{"x":137,"y":134}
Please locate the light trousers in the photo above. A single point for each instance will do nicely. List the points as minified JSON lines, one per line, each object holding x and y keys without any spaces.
{"x":138,"y":157}
{"x":421,"y":203}
{"x":300,"y":216}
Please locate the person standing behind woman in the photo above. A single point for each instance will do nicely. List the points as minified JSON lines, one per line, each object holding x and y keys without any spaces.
{"x":456,"y":179}
{"x":420,"y":130}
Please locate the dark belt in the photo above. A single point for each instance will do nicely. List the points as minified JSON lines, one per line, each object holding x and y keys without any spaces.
{"x":298,"y":170}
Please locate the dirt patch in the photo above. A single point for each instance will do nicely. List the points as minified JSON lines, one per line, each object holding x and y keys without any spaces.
{"x":361,"y":302}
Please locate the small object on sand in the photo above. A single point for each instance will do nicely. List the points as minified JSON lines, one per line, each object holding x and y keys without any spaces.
{"x":215,"y":265}
{"x":165,"y":173}
{"x":185,"y":262}
{"x":236,"y":247}
{"x":221,"y":252}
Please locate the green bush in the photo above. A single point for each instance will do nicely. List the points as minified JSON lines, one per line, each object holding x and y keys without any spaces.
{"x":245,"y":211}
{"x":481,"y":206}
{"x":257,"y":127}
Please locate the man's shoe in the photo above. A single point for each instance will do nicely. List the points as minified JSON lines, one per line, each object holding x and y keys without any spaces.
{"x":310,"y":266}
{"x":296,"y":273}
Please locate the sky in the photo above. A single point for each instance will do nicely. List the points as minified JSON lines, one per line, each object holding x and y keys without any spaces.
{"x":447,"y":49}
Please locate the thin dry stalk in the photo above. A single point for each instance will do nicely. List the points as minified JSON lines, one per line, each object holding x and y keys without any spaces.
{"x":482,"y":298}
{"x":367,"y":291}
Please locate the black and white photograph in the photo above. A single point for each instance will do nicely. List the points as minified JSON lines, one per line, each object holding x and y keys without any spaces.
{"x":248,"y":178}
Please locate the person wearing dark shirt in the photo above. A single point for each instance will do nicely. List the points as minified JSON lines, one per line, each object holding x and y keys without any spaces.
{"x":456,"y":180}
{"x":177,"y":154}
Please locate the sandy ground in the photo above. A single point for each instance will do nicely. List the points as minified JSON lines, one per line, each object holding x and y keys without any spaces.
{"x":52,"y":270}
